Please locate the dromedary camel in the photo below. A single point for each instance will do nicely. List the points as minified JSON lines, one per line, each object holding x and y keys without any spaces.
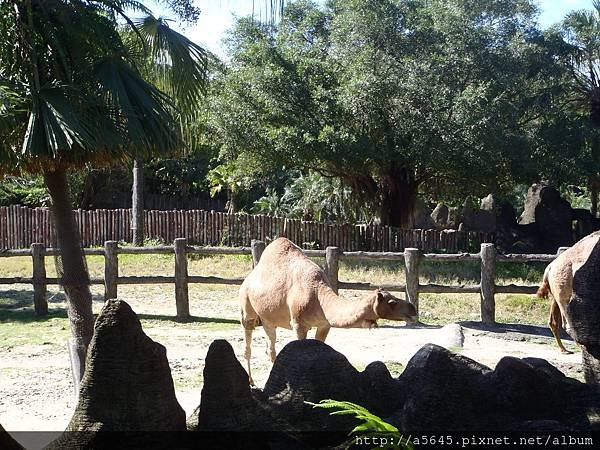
{"x":558,"y":281}
{"x":288,"y":290}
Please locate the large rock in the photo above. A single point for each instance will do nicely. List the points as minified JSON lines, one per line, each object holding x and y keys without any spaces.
{"x":444,"y":391}
{"x":310,"y":371}
{"x":552,"y":216}
{"x":127,"y":385}
{"x":227,"y":403}
{"x":7,"y":442}
{"x":440,"y":216}
{"x":421,"y":216}
{"x":488,"y":203}
{"x":230,"y":413}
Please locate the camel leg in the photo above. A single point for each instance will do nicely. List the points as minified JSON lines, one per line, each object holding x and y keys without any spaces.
{"x":555,"y":323}
{"x":248,"y":352}
{"x":301,"y":330}
{"x":271,"y":333}
{"x":322,"y":333}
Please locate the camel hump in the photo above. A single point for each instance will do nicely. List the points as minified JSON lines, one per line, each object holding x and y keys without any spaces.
{"x":281,"y":248}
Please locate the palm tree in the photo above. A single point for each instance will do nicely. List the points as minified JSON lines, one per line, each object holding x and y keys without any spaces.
{"x":176,"y":66}
{"x":71,"y":94}
{"x":582,"y":31}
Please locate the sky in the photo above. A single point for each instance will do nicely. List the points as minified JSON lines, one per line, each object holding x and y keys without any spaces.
{"x":219,"y":15}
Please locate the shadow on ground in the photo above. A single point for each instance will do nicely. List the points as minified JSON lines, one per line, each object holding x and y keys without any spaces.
{"x":513,"y":328}
{"x":16,"y":305}
{"x":192,"y":319}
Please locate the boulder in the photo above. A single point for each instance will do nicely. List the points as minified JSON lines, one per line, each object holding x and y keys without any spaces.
{"x":488,"y":203}
{"x":440,"y":216}
{"x":230,"y":413}
{"x":584,"y":222}
{"x":310,"y":371}
{"x":422,"y":216}
{"x":7,"y":442}
{"x":552,"y":216}
{"x":444,"y":391}
{"x":451,"y":336}
{"x":126,"y":387}
{"x":441,"y":391}
{"x":227,"y":403}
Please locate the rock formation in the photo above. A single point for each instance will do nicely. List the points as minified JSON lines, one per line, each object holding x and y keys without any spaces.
{"x":127,"y":384}
{"x":7,"y":442}
{"x":127,"y":387}
{"x":438,"y":391}
{"x":440,"y":216}
{"x":552,"y":216}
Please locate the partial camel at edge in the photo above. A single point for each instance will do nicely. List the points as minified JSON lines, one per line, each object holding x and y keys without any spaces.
{"x":558,"y":282}
{"x":286,"y":289}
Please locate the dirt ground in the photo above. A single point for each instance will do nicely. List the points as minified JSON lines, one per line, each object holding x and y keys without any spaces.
{"x":35,"y":382}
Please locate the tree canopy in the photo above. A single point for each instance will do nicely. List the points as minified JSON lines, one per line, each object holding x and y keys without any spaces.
{"x":393,"y":97}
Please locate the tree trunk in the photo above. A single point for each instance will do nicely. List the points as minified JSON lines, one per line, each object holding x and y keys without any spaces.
{"x":398,"y":196}
{"x":594,"y":186}
{"x":73,"y":273}
{"x":137,"y":203}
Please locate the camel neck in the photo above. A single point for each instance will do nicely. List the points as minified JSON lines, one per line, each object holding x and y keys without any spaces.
{"x":342,"y":313}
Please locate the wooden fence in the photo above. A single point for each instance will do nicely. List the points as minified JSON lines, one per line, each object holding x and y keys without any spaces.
{"x":412,"y":257}
{"x":22,"y":226}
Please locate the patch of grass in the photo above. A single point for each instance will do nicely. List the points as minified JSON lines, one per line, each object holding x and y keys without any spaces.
{"x":191,"y":323}
{"x":186,"y":380}
{"x":359,"y":366}
{"x":519,"y":308}
{"x":23,"y":327}
{"x":395,"y":368}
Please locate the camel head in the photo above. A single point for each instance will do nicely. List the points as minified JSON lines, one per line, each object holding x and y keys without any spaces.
{"x":392,"y":308}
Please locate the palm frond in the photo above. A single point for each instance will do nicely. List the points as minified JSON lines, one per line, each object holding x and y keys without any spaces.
{"x":181,"y":65}
{"x":147,"y":113}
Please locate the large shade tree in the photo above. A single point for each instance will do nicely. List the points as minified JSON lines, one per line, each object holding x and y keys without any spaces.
{"x":581,"y":29}
{"x":394,"y":96}
{"x":72,"y":93}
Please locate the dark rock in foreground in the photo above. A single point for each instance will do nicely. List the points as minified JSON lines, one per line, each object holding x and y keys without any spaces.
{"x":7,"y":442}
{"x":438,"y":391}
{"x":127,"y":395}
{"x":127,"y":385}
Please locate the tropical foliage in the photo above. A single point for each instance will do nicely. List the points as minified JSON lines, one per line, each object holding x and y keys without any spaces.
{"x":370,"y":425}
{"x":73,"y":94}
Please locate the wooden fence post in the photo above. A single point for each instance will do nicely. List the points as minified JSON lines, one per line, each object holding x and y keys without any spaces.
{"x":257,"y":247}
{"x":332,"y":260}
{"x":111,"y":269}
{"x":182,"y":301}
{"x":38,"y":256}
{"x":411,"y":264}
{"x":488,"y":274}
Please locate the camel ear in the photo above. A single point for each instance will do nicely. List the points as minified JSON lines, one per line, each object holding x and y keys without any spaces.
{"x":379,"y":295}
{"x":392,"y":301}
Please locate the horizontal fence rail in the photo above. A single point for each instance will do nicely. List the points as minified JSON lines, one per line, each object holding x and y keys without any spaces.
{"x":412,"y":258}
{"x":22,"y":226}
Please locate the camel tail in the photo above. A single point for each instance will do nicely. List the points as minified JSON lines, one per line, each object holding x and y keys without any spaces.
{"x":544,"y":288}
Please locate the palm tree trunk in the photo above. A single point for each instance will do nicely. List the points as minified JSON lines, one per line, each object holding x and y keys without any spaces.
{"x":74,"y":276}
{"x":137,"y":203}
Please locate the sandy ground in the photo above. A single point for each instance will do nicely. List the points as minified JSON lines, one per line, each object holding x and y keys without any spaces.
{"x":36,"y":388}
